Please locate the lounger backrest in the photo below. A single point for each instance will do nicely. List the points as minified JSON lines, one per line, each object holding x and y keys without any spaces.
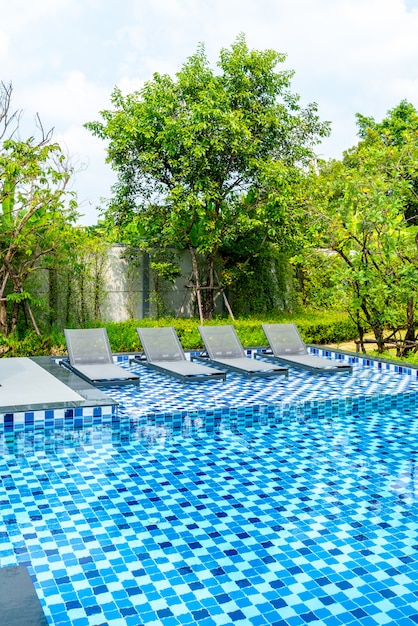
{"x":221,"y":342}
{"x":284,"y":339}
{"x":88,"y":346}
{"x":161,"y":344}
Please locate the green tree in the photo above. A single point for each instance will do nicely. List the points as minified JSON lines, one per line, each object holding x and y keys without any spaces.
{"x":399,"y":129}
{"x":208,"y":158}
{"x":361,"y":209}
{"x":36,"y":211}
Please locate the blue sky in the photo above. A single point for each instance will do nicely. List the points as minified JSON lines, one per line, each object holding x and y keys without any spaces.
{"x":64,"y":58}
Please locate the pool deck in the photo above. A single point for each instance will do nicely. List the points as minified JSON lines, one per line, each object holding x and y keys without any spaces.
{"x":38,"y":383}
{"x":19,"y":604}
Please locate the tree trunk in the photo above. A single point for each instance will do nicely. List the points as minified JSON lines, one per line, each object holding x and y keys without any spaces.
{"x":410,"y":320}
{"x":52,"y":295}
{"x":15,"y":316}
{"x":4,"y":324}
{"x":380,"y":340}
{"x":360,"y":331}
{"x":83,"y":308}
{"x":204,"y":288}
{"x":409,"y":340}
{"x":32,"y":318}
{"x":195,"y":271}
{"x":300,"y":277}
{"x":69,"y":298}
{"x":209,"y":297}
{"x":377,"y":328}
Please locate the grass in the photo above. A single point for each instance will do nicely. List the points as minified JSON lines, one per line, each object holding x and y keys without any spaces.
{"x":324,"y":328}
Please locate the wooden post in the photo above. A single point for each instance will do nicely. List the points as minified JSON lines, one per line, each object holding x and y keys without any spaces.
{"x":225,"y":298}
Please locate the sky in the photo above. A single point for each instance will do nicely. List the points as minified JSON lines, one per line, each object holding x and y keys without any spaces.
{"x":64,"y":58}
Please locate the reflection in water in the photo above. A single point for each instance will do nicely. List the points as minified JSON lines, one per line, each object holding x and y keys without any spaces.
{"x":374,"y":458}
{"x":405,"y":483}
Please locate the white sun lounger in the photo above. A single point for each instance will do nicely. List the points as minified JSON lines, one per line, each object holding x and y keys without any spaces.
{"x":163,"y":352}
{"x":287,"y":346}
{"x":224,"y":349}
{"x":90,"y":357}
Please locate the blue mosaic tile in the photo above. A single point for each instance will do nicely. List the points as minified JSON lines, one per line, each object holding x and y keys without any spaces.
{"x":249,"y":502}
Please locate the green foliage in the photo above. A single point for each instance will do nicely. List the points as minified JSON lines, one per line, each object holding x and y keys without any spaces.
{"x":318,"y":274}
{"x":29,"y":343}
{"x":360,"y":208}
{"x":123,"y":336}
{"x":399,"y":129}
{"x":36,"y":213}
{"x":264,"y":285}
{"x":208,"y":158}
{"x":411,"y":358}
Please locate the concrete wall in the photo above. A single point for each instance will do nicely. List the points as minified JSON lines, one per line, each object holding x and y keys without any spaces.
{"x":129,"y":289}
{"x":125,"y":287}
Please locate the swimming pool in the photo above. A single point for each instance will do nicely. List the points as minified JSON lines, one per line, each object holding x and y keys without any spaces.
{"x":280,"y":502}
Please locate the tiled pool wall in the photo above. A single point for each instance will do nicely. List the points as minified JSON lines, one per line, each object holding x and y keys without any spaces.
{"x":58,"y":419}
{"x":364,"y":361}
{"x":160,"y":429}
{"x":209,"y":419}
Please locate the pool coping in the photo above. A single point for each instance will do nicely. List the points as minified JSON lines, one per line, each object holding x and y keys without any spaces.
{"x":92,"y":397}
{"x":400,"y":367}
{"x":19,"y":602}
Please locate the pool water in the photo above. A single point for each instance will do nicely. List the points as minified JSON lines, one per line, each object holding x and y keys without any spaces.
{"x":296,"y":517}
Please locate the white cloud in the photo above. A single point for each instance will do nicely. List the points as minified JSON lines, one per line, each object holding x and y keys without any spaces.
{"x":21,"y":15}
{"x":406,"y":88}
{"x":177,"y":10}
{"x":93,"y":178}
{"x":128,"y":84}
{"x":4,"y":43}
{"x":72,"y":99}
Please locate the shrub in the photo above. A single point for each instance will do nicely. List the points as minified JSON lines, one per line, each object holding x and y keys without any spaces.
{"x":317,"y":328}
